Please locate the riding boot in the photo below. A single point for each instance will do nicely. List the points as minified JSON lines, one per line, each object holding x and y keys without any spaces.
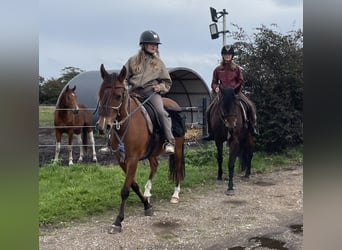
{"x":254,"y":129}
{"x":253,"y":124}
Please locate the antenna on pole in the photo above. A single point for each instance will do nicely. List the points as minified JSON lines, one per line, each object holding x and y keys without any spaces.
{"x":213,"y":27}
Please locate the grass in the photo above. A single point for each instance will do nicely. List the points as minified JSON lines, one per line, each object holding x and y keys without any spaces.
{"x":46,"y":115}
{"x":75,"y":193}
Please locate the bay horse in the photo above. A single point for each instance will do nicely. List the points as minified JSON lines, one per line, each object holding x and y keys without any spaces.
{"x":122,"y":117}
{"x":229,"y":124}
{"x":72,"y":118}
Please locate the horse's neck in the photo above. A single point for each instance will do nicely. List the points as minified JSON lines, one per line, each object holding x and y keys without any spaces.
{"x":63,"y":111}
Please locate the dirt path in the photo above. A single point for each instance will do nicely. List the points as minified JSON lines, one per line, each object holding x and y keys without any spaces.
{"x":265,"y":213}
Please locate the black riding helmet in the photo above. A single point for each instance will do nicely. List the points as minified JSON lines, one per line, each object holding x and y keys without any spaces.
{"x":149,"y":36}
{"x":227,"y":49}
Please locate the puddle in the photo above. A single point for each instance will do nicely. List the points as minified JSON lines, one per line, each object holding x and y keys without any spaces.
{"x":268,"y":242}
{"x":262,"y":242}
{"x":165,"y":229}
{"x":297,"y":228}
{"x":235,"y":202}
{"x":264,"y":183}
{"x":166,"y":224}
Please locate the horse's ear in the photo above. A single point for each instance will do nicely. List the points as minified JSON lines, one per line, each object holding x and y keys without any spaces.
{"x":122,"y":75}
{"x":74,"y":88}
{"x":103,"y":71}
{"x":67,"y":88}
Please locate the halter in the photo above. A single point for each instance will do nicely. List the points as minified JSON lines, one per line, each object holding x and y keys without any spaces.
{"x":117,"y":124}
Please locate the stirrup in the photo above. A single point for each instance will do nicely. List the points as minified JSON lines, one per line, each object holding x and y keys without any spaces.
{"x":168,"y":148}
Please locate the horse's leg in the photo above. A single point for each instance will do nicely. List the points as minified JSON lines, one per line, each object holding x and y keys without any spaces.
{"x":233,"y":152}
{"x":116,"y":226}
{"x":175,"y":196}
{"x":58,"y":144}
{"x":80,"y":143}
{"x":70,"y":138}
{"x":129,"y":168}
{"x":147,"y":206}
{"x":153,"y":168}
{"x":178,"y":158}
{"x":92,"y":142}
{"x":249,"y":155}
{"x":219,"y":157}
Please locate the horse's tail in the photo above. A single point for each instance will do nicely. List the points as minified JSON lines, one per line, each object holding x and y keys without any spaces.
{"x":177,"y":165}
{"x":85,"y":139}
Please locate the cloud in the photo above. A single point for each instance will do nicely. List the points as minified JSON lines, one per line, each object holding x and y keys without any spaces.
{"x":85,"y":34}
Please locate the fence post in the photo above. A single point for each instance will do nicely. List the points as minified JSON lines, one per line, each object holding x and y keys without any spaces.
{"x":204,"y":117}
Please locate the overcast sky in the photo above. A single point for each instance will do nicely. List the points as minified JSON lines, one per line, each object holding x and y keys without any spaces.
{"x":84,"y":33}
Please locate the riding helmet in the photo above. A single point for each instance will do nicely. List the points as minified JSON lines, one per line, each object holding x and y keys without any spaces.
{"x":227,"y":49}
{"x":149,"y":36}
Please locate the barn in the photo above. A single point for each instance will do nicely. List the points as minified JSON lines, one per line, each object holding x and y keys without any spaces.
{"x":188,"y":89}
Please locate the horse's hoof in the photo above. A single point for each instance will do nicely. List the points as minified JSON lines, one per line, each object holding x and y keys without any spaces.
{"x":230,"y":192}
{"x":219,"y":182}
{"x":115,"y":229}
{"x":149,"y":211}
{"x":174,"y":200}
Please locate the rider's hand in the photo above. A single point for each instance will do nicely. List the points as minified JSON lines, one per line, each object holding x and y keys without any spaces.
{"x":156,"y":88}
{"x":217,"y":89}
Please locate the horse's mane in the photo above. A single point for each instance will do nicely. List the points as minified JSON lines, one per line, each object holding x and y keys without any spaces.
{"x":61,"y":101}
{"x":228,"y":96}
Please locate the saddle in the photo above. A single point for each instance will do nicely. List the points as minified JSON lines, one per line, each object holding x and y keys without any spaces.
{"x":243,"y":105}
{"x":154,"y":125}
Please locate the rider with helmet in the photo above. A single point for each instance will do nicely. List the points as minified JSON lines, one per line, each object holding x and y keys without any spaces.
{"x":146,"y":74}
{"x":229,"y":74}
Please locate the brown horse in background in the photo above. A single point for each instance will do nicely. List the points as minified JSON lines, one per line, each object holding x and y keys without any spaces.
{"x":73,"y":118}
{"x":122,"y":117}
{"x":229,"y":123}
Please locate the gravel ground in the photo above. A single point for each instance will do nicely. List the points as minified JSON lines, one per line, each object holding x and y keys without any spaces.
{"x":265,"y":213}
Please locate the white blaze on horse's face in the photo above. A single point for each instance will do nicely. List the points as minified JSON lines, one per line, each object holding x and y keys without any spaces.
{"x":100,"y":124}
{"x":75,"y":108}
{"x":106,"y":120}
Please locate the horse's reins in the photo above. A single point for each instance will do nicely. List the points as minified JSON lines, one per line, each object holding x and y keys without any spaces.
{"x":118,"y":124}
{"x":121,"y":145}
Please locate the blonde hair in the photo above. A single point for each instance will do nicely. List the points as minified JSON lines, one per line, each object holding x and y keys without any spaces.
{"x":232,"y":64}
{"x":139,"y":59}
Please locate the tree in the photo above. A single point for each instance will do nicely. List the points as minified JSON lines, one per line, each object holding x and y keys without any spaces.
{"x":49,"y":90}
{"x":68,"y":73}
{"x":273,"y":69}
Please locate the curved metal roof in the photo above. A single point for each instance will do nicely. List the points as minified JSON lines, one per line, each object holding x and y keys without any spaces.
{"x":188,"y":90}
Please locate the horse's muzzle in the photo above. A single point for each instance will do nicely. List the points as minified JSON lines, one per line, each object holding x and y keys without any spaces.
{"x":103,"y":129}
{"x":75,"y":111}
{"x":99,"y":129}
{"x":230,"y":122}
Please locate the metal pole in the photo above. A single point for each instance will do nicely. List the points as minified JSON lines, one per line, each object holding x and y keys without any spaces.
{"x":204,"y":117}
{"x":224,"y":26}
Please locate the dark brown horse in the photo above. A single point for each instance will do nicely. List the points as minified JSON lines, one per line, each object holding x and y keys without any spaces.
{"x":123,"y":118}
{"x":73,"y":118}
{"x":228,"y":123}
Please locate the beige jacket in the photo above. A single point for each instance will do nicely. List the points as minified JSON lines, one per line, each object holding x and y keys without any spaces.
{"x":148,"y":77}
